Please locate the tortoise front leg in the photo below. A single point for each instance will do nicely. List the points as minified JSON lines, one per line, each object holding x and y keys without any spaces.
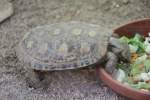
{"x":111,"y":63}
{"x":35,"y":79}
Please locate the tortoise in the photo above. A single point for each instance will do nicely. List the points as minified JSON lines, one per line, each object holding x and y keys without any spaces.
{"x":68,"y":45}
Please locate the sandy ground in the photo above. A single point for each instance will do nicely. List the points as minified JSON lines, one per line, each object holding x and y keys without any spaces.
{"x":80,"y":84}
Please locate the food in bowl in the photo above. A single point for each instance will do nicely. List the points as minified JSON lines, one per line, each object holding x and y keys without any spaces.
{"x":135,"y":73}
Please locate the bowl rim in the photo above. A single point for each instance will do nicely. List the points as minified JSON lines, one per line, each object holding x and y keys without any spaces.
{"x":130,"y":22}
{"x":100,"y":70}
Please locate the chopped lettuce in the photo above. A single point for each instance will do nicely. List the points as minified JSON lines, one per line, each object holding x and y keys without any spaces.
{"x":128,"y":80}
{"x":147,"y":65}
{"x":138,"y":37}
{"x":141,"y":85}
{"x":124,"y":39}
{"x":144,"y":76}
{"x":120,"y":75}
{"x":136,"y":43}
{"x":135,"y":69}
{"x":133,"y":48}
{"x":147,"y":45}
{"x":147,"y":49}
{"x":124,"y":66}
{"x":139,"y":67}
{"x":141,"y":58}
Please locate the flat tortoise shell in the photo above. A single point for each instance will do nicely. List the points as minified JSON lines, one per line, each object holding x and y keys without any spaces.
{"x":61,"y":46}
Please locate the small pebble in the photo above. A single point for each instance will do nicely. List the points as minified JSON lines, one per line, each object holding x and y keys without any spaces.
{"x":30,"y":89}
{"x":117,"y":6}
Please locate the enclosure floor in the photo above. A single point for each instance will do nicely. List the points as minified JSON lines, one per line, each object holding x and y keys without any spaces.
{"x":80,"y":84}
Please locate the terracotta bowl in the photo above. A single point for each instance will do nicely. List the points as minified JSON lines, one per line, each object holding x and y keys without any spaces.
{"x":139,"y":26}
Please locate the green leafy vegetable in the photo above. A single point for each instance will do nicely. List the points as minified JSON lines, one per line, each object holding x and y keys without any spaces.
{"x":124,"y":66}
{"x":124,"y":39}
{"x":135,"y":69}
{"x":138,"y":70}
{"x":147,"y":65}
{"x":137,"y":41}
{"x":141,"y":85}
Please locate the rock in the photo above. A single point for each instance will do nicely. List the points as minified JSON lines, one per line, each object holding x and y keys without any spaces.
{"x":115,"y":4}
{"x":6,"y":10}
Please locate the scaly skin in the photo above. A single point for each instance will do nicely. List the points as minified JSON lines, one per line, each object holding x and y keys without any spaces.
{"x":37,"y":79}
{"x":116,"y":51}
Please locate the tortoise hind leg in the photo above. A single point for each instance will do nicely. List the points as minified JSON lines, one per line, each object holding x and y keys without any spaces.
{"x":35,"y":78}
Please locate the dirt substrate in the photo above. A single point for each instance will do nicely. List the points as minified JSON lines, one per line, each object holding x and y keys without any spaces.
{"x":80,"y":84}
